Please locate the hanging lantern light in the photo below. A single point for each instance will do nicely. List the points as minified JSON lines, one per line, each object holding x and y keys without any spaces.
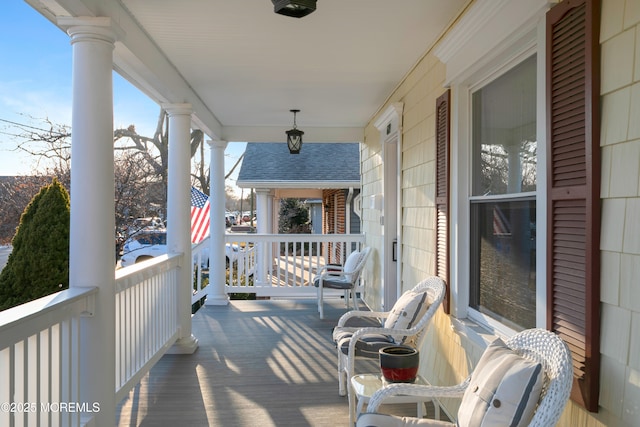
{"x":294,"y":8}
{"x":294,"y":136}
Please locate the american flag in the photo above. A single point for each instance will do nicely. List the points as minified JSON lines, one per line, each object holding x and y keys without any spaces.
{"x":199,"y":215}
{"x":501,"y":226}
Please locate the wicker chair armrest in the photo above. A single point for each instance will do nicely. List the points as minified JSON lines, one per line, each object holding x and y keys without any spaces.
{"x":334,"y":273}
{"x":426,"y":391}
{"x":394,"y":332}
{"x":330,"y":269}
{"x":379,"y":330}
{"x":361,"y":314}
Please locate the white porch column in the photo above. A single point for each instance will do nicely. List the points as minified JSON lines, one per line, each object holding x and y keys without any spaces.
{"x":217,"y":265}
{"x":270,"y":214}
{"x":262,"y":215}
{"x":276,"y":213}
{"x":179,"y":216}
{"x":92,"y":258}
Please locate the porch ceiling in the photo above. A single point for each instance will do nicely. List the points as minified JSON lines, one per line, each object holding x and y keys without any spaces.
{"x":243,"y":67}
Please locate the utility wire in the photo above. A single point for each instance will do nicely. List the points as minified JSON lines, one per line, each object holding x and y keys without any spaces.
{"x":22,"y":125}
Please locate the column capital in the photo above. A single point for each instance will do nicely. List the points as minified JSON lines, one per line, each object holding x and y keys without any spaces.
{"x":177,"y":109}
{"x":85,"y":28}
{"x":218,"y":143}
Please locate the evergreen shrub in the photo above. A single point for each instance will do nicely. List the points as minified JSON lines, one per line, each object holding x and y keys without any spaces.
{"x":39,"y":262}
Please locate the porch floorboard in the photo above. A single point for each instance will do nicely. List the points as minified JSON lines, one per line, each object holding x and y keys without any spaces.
{"x":259,"y":363}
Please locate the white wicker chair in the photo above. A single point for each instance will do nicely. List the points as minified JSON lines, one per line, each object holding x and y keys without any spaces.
{"x":536,"y":344}
{"x":342,"y":277}
{"x":376,"y":337}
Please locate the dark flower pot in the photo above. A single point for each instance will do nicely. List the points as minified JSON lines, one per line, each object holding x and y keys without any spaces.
{"x":399,"y":364}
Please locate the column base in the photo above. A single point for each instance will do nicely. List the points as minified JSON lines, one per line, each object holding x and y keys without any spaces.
{"x":217,"y":300}
{"x":184,"y":346}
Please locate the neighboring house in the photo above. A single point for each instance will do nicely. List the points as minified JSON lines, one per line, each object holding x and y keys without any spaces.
{"x":315,"y":215}
{"x":329,"y":172}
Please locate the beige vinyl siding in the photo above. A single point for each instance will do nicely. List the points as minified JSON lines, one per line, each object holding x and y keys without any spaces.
{"x":620,"y":236}
{"x":447,"y":355}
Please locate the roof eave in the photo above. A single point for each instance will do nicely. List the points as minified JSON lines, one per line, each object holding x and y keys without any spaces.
{"x":299,"y":184}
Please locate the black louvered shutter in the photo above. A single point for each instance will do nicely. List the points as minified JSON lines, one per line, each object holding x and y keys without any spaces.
{"x":573,"y":174}
{"x":442,"y":194}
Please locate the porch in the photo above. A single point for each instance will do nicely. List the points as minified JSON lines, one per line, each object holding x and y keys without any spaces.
{"x":259,"y":363}
{"x":264,"y":362}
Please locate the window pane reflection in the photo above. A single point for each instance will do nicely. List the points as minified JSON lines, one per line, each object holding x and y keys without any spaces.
{"x":504,"y":245}
{"x":504,"y":133}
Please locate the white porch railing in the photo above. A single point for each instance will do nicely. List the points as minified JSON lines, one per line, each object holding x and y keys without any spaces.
{"x":273,"y":264}
{"x":199,"y":261}
{"x":39,"y":352}
{"x":146,"y":318}
{"x":285,"y":264}
{"x":40,"y":342}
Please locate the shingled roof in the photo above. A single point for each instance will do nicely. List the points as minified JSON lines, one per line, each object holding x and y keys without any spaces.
{"x":319,"y":165}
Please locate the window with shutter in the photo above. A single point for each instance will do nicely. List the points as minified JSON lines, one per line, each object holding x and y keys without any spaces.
{"x":573,"y":179}
{"x":503,"y":199}
{"x":442,"y":193}
{"x":549,"y":256}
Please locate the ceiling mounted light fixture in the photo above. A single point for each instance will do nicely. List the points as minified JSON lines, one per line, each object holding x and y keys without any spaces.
{"x":294,"y":136}
{"x":294,"y":8}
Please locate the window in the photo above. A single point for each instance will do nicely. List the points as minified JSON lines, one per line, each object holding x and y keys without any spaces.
{"x":503,"y":198}
{"x":493,"y":193}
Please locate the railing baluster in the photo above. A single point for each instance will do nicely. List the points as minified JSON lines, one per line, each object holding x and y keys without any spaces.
{"x":12,"y":380}
{"x":56,"y":371}
{"x":75,"y":338}
{"x":65,"y":346}
{"x":33,"y":388}
{"x":21,"y":386}
{"x":278,"y":256}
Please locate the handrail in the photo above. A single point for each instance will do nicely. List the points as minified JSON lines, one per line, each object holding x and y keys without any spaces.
{"x":127,"y":277}
{"x":35,"y":316}
{"x":320,"y":238}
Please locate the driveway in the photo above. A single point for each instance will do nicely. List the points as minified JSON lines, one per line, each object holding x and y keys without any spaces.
{"x":4,"y":254}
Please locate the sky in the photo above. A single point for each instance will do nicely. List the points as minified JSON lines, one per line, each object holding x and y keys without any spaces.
{"x":35,"y":84}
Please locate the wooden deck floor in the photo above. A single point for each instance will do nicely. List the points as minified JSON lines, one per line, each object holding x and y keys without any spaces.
{"x":259,"y":363}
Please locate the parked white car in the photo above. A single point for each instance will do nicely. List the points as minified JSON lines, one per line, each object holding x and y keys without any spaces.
{"x":147,"y":244}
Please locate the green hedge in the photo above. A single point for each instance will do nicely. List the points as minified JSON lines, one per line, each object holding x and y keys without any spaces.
{"x":39,"y":262}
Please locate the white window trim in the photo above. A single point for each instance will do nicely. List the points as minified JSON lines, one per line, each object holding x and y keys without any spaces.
{"x":465,"y":73}
{"x":389,"y":124}
{"x":486,"y":29}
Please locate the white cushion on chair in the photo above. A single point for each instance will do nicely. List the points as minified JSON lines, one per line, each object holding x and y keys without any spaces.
{"x":407,"y":311}
{"x":504,"y":389}
{"x":367,"y":346}
{"x":339,"y":279}
{"x":351,"y":263}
